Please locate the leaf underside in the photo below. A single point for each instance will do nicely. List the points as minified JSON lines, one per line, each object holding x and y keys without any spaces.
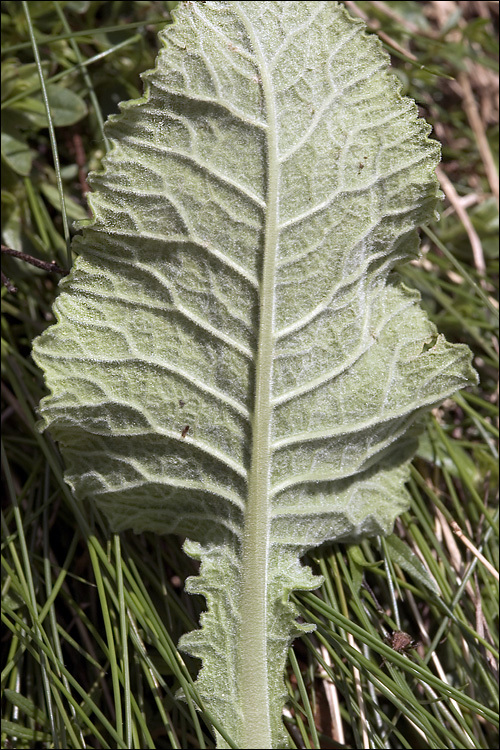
{"x":234,"y":359}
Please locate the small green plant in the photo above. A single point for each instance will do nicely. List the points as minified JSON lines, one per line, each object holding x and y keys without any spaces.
{"x":235,"y":359}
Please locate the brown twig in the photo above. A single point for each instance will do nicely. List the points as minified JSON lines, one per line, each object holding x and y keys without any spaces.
{"x":7,"y":283}
{"x":81,"y":161}
{"x":43,"y":264}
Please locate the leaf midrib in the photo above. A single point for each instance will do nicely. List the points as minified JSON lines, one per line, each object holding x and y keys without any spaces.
{"x":252,"y":662}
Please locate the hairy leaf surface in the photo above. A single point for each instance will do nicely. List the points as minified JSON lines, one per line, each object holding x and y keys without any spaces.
{"x":234,"y":359}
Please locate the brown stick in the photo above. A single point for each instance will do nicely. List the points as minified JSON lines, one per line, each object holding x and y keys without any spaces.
{"x":45,"y":265}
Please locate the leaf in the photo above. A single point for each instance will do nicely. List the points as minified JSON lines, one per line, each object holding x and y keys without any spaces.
{"x":12,"y":207}
{"x":73,"y":209}
{"x":234,"y":358}
{"x":16,"y":153}
{"x":402,"y":555}
{"x":78,"y":6}
{"x":66,"y":107}
{"x":17,"y":78}
{"x":358,"y":564}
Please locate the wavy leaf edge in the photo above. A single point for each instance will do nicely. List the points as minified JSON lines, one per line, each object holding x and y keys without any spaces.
{"x":221,"y":439}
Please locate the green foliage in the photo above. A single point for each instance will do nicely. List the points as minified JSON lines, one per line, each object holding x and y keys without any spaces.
{"x":95,"y":617}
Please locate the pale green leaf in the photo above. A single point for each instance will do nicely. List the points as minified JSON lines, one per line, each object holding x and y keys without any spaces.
{"x":16,"y":153}
{"x":402,"y":555}
{"x":66,"y":107}
{"x":73,"y":209}
{"x":234,"y":358}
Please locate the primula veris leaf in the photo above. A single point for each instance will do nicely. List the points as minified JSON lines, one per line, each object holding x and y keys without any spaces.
{"x":234,"y":358}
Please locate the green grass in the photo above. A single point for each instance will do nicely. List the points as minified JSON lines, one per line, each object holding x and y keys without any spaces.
{"x":91,"y":618}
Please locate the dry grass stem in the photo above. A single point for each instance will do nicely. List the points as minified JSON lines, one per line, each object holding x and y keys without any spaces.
{"x":477,"y":126}
{"x":332,"y":698}
{"x":454,"y":198}
{"x":458,"y":531}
